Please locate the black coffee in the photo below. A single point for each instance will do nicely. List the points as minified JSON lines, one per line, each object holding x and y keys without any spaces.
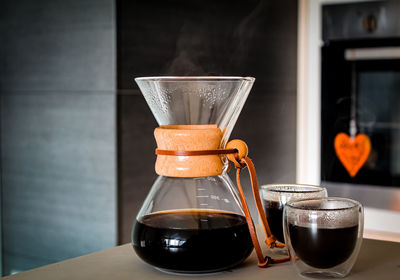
{"x":192,"y":241}
{"x":274,"y":213}
{"x":323,"y":247}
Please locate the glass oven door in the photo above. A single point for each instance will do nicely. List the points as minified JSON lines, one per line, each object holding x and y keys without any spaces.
{"x":361,"y":82}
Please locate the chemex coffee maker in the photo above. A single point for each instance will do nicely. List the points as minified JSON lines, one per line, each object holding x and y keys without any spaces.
{"x":193,"y":220}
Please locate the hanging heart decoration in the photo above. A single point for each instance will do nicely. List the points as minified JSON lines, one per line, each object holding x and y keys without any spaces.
{"x":352,"y":152}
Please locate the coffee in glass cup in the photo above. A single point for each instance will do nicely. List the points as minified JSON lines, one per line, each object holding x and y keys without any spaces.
{"x":323,"y":235}
{"x":275,"y":196}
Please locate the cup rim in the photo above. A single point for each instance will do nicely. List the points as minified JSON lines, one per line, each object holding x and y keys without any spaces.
{"x":195,"y":78}
{"x":312,"y":188}
{"x":294,"y":204}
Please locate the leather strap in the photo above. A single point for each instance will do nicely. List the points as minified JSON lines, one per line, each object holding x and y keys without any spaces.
{"x":195,"y":153}
{"x":240,"y":163}
{"x":270,"y":239}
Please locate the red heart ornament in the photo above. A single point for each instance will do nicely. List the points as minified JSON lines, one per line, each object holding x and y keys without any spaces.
{"x":352,"y":152}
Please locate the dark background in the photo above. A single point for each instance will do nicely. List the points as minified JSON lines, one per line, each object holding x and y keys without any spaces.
{"x":77,"y":147}
{"x":58,"y":147}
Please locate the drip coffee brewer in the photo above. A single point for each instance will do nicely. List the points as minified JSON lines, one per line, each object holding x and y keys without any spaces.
{"x":192,"y":221}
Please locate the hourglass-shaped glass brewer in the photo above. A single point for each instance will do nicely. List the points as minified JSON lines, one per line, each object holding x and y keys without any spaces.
{"x":192,"y":220}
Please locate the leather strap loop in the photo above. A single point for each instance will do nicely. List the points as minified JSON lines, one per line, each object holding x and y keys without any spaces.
{"x":262,"y":262}
{"x":270,"y":239}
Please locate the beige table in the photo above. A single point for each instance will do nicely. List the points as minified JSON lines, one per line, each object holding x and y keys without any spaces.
{"x":377,"y":260}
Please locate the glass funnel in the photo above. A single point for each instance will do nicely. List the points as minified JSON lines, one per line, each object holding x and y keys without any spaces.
{"x":192,"y":220}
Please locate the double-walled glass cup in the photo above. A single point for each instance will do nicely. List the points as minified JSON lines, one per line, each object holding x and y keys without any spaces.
{"x":323,"y":235}
{"x":275,"y":196}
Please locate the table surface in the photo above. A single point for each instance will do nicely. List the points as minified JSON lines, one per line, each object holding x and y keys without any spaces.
{"x":377,"y":260}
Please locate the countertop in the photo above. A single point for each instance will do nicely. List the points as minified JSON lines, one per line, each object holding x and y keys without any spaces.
{"x":377,"y":260}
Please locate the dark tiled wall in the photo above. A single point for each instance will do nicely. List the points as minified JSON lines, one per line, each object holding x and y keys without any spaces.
{"x":58,"y":147}
{"x":176,"y":37}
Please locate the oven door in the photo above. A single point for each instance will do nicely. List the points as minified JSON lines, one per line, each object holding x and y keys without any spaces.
{"x":361,"y":81}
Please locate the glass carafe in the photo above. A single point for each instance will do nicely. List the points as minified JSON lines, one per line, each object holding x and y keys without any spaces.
{"x":192,"y":220}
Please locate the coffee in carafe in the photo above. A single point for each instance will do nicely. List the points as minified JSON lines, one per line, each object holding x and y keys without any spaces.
{"x":192,"y":240}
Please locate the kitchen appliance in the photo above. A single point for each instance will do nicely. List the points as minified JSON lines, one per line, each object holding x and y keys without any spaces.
{"x":360,"y":93}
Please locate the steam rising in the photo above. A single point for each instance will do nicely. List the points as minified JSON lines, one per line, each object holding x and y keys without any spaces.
{"x":202,"y":50}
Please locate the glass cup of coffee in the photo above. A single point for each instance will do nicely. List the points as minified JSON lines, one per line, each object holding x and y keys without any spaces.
{"x":274,"y":198}
{"x":323,"y":235}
